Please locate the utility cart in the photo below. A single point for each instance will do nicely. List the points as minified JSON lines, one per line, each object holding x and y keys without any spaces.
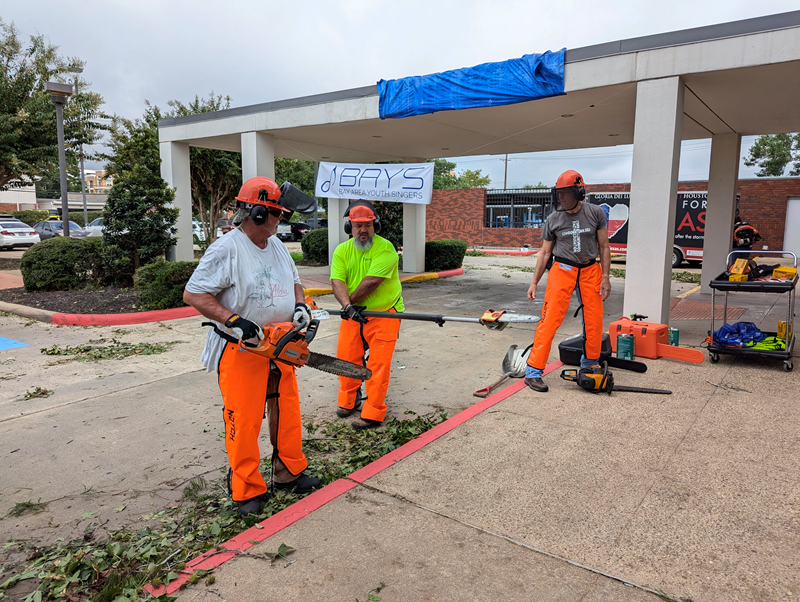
{"x":721,"y":283}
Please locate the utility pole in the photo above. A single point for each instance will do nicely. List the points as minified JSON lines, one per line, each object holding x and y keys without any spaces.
{"x":505,"y":175}
{"x":59,"y":93}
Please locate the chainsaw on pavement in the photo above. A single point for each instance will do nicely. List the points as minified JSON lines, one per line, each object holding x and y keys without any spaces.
{"x":284,"y":342}
{"x":603,"y":382}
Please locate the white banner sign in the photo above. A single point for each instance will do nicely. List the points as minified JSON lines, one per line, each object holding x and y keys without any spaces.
{"x":398,"y":182}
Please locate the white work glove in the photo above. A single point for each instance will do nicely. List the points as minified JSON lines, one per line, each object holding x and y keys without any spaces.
{"x":301,"y":312}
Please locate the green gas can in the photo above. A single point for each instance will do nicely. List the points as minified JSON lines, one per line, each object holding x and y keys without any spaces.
{"x":626,"y":346}
{"x":673,"y":337}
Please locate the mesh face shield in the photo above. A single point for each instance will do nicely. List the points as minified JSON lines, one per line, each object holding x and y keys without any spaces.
{"x":294,"y":199}
{"x":565,"y":199}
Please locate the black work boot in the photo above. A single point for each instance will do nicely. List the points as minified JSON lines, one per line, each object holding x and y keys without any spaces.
{"x":302,"y":484}
{"x":251,"y":506}
{"x":344,"y":412}
{"x":537,"y":384}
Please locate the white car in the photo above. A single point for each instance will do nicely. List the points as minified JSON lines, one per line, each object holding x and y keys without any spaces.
{"x":95,"y":227}
{"x":14,"y":233}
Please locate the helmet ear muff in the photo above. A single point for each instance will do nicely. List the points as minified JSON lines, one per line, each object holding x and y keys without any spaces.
{"x":348,"y":227}
{"x":259,"y":214}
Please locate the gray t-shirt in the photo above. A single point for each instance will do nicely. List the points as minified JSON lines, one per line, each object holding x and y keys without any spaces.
{"x":575,"y":234}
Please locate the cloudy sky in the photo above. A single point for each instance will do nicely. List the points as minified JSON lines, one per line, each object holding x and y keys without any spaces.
{"x":259,"y":51}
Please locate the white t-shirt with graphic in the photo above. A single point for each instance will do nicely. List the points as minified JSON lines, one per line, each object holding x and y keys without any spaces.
{"x":258,"y":284}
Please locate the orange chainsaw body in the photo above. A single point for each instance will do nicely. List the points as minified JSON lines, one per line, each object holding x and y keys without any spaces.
{"x":294,"y":351}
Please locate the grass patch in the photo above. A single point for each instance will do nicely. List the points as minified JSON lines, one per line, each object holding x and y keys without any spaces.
{"x":686,"y":277}
{"x":477,"y":254}
{"x":29,"y":507}
{"x":117,"y":566}
{"x":115,"y":351}
{"x":517,"y":268}
{"x":296,"y":255}
{"x":617,"y":273}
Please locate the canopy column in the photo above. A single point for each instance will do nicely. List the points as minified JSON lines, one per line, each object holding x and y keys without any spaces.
{"x":654,"y":187}
{"x":176,"y":172}
{"x":723,"y":175}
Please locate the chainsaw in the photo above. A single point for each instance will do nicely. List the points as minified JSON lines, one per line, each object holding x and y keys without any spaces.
{"x":603,"y":382}
{"x":284,"y":342}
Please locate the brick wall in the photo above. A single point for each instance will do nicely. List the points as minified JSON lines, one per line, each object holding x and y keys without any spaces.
{"x":460,"y":213}
{"x":7,"y":207}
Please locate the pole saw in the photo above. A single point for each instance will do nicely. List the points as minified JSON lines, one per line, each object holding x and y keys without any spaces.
{"x":491,"y":319}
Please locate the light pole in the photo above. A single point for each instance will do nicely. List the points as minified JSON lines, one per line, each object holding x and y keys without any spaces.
{"x":76,"y":70}
{"x":59,"y":93}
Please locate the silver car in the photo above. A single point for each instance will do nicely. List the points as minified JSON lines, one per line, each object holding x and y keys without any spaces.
{"x":95,"y":227}
{"x":52,"y":228}
{"x":14,"y":233}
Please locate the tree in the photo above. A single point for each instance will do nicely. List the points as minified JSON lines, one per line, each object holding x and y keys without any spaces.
{"x":391,"y":216}
{"x":444,"y":176}
{"x":474,"y":179}
{"x":139,"y":224}
{"x":216,"y":175}
{"x":135,"y":142}
{"x":772,"y":153}
{"x":28,"y":139}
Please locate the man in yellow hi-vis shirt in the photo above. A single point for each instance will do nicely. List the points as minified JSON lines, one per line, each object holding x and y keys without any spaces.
{"x":364,"y":275}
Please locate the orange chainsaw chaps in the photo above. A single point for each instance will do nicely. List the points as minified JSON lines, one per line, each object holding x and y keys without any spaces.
{"x":243,"y":381}
{"x":381,"y":336}
{"x":561,"y":282}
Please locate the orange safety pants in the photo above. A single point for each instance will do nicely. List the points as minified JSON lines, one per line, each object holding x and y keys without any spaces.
{"x":561,"y":282}
{"x":379,"y":335}
{"x":253,"y":386}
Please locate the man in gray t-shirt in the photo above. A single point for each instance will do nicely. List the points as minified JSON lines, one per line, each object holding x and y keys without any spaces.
{"x":575,"y":235}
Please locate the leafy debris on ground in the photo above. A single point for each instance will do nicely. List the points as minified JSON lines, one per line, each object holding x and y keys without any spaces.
{"x":37,"y":392}
{"x":116,"y":567}
{"x":115,"y":351}
{"x":29,"y":507}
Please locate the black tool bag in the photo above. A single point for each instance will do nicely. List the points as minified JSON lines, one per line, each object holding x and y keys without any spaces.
{"x":571,"y":349}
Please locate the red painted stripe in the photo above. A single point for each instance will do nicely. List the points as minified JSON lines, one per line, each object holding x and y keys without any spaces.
{"x":267,"y":528}
{"x":447,"y":273}
{"x":277,"y":522}
{"x":501,"y":252}
{"x":122,"y":319}
{"x":440,"y":429}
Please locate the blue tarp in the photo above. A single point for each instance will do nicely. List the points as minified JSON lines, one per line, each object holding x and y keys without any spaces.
{"x":531,"y":77}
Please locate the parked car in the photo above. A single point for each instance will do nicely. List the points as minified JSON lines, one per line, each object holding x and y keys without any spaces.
{"x":14,"y":233}
{"x":292,"y":230}
{"x":226,"y":225}
{"x":95,"y":227}
{"x":52,"y":228}
{"x":312,"y":223}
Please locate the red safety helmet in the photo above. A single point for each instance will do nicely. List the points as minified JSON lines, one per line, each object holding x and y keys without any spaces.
{"x":569,"y":180}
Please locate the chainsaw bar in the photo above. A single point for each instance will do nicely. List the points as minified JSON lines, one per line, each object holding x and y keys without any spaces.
{"x":641,"y":390}
{"x":334,"y":365}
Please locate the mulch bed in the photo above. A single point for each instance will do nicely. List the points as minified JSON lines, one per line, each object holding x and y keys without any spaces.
{"x":109,"y":300}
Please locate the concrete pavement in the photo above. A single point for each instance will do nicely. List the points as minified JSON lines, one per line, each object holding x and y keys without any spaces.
{"x":694,"y":494}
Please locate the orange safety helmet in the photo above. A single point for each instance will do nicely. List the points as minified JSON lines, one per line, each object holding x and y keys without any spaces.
{"x":260,"y":191}
{"x":570,"y":180}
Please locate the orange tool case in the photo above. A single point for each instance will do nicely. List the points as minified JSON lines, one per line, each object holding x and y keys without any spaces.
{"x":651,"y":340}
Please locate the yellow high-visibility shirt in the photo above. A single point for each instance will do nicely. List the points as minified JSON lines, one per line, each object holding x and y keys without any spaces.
{"x":351,"y":266}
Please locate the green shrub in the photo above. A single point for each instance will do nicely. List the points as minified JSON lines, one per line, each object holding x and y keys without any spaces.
{"x":31,"y":216}
{"x":61,"y":264}
{"x":160,"y":284}
{"x":443,"y":255}
{"x":315,"y":246}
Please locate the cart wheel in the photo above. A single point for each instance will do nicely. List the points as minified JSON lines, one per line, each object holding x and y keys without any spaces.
{"x":788,"y":366}
{"x":713,"y":357}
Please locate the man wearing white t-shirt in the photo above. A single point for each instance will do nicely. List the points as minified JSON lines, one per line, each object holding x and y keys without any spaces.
{"x":247,"y":279}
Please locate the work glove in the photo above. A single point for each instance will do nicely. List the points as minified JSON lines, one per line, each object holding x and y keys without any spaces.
{"x":244,"y":329}
{"x":301,"y":312}
{"x":353,"y":312}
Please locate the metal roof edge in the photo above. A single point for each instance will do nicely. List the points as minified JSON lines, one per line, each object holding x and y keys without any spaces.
{"x":706,"y":33}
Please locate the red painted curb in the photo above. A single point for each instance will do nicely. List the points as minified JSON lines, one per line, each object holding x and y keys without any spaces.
{"x":247,"y":539}
{"x":277,"y":522}
{"x":500,"y":252}
{"x":448,"y":273}
{"x":121,"y":319}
